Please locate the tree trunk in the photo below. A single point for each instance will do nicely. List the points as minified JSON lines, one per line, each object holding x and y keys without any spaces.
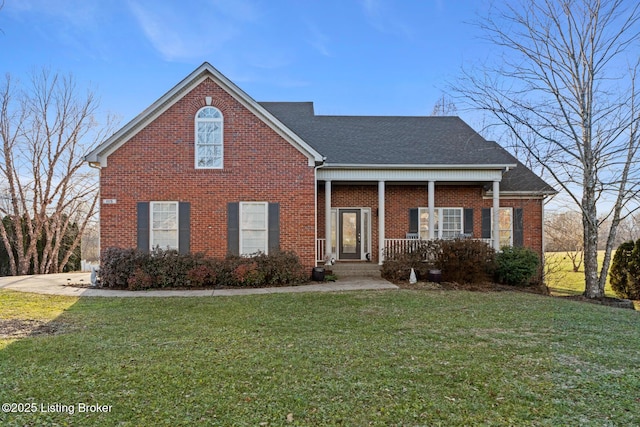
{"x":590,"y":222}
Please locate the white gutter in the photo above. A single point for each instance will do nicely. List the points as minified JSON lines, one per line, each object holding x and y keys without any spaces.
{"x":416,"y":166}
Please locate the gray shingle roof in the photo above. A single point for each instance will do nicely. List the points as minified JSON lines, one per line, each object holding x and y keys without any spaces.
{"x":522,"y":179}
{"x":401,"y":140}
{"x":389,"y":140}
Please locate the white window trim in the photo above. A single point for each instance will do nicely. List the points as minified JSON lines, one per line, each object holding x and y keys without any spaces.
{"x":196,"y":145}
{"x":151,"y":205}
{"x":439,"y":229}
{"x":510,"y":228}
{"x":266,"y":225}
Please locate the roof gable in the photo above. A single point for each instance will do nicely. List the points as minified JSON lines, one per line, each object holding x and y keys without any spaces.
{"x":206,"y":71}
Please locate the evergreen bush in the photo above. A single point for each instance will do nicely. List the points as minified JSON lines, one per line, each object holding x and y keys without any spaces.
{"x":516,"y":266}
{"x":624,"y":275}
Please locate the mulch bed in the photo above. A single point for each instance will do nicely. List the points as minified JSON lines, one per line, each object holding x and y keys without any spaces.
{"x":495,"y":287}
{"x":608,"y":301}
{"x":474,"y":287}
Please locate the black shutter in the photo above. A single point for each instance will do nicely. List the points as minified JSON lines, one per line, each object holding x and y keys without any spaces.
{"x":143,"y":226}
{"x":468,"y":221}
{"x":518,"y":227}
{"x":413,"y":220}
{"x":233,"y":228}
{"x":486,"y":223}
{"x":184,"y":227}
{"x":274,"y":227}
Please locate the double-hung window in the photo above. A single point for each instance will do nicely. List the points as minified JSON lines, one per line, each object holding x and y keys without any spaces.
{"x":506,"y":226}
{"x":164,"y":225}
{"x":447,"y":223}
{"x":209,"y":139}
{"x":253,"y":228}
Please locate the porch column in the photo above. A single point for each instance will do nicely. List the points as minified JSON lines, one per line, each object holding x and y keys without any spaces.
{"x":328,"y":244}
{"x":432,"y":209}
{"x":496,"y":215}
{"x":380,"y":222}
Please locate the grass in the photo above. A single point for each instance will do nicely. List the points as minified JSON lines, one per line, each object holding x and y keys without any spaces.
{"x":563,"y":281}
{"x":371,"y":358}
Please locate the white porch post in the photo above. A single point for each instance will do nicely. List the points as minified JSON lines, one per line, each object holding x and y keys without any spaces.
{"x":381,"y":222}
{"x":328,"y":244}
{"x":432,"y":209}
{"x":496,"y":215}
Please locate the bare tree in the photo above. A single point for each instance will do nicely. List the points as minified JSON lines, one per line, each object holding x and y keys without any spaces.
{"x":444,"y":106}
{"x":45,"y":131}
{"x":563,"y":233}
{"x":629,"y":229}
{"x":566,"y":89}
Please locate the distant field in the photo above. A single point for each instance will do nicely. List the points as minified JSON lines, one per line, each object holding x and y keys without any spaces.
{"x":563,"y":281}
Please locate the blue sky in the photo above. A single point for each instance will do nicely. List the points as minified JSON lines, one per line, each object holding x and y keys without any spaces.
{"x":355,"y":57}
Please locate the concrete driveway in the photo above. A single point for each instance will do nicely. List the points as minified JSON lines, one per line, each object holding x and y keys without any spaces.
{"x":61,"y":284}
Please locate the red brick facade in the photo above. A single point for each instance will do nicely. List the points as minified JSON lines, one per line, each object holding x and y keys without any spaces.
{"x":157,"y":164}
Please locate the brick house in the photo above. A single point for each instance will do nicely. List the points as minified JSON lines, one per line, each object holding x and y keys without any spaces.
{"x":208,"y":169}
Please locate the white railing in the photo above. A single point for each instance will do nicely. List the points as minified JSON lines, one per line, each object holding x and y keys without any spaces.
{"x":320,"y":251}
{"x":391,"y":246}
{"x":395,"y":246}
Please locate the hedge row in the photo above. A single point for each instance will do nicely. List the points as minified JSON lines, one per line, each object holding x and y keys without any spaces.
{"x":136,"y":270}
{"x":462,"y":261}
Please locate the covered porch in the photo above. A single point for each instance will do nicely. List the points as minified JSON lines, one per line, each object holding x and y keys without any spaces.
{"x":364,"y":214}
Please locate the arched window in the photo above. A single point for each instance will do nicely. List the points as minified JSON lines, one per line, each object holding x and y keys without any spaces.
{"x":209,"y":143}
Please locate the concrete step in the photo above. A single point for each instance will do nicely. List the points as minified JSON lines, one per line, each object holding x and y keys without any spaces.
{"x":356,"y":269}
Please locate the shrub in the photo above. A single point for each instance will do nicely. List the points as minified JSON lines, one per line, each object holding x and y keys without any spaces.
{"x":203,"y":275}
{"x":135,"y":270}
{"x":516,"y":266}
{"x":140,"y":280}
{"x":118,"y":265}
{"x":460,"y":260}
{"x":624,"y":274}
{"x":419,"y":255}
{"x":281,"y":268}
{"x":465,"y":261}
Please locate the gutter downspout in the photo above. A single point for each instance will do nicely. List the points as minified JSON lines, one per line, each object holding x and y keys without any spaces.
{"x":96,"y":165}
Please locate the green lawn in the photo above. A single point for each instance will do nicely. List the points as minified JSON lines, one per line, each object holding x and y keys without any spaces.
{"x":360,"y":358}
{"x":564,"y":281}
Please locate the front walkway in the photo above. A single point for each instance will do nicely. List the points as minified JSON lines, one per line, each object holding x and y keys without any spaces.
{"x":59,"y":284}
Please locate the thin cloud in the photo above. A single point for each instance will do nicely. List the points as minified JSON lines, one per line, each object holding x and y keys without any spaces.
{"x":318,"y":40}
{"x":382,"y":16}
{"x":77,"y":13}
{"x":74,"y":24}
{"x":180,"y":33}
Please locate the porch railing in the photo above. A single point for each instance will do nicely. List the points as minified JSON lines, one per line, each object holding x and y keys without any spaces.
{"x":391,"y":246}
{"x":398,"y":246}
{"x":320,"y":251}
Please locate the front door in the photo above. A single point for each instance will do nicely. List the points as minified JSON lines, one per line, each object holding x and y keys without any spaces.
{"x":350,"y":234}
